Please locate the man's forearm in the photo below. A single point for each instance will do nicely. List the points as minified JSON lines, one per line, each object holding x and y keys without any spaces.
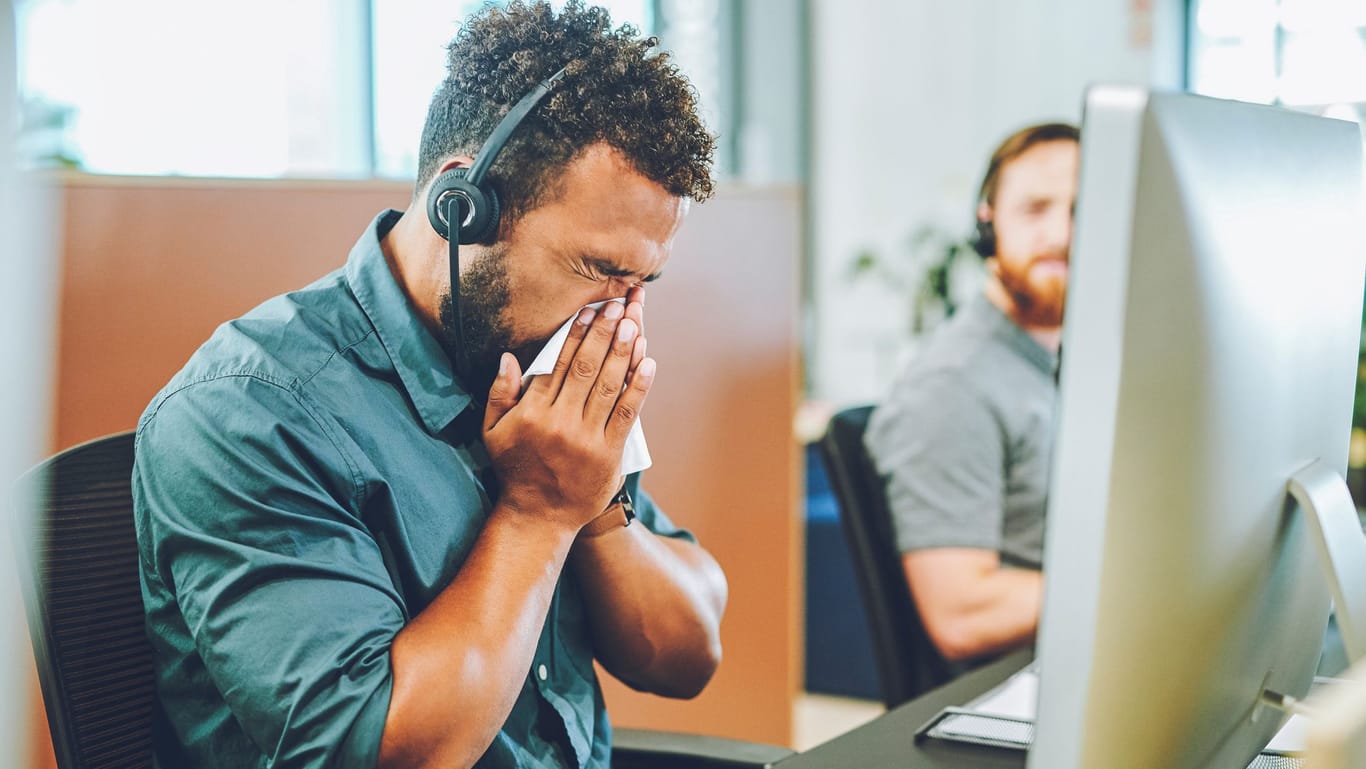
{"x":655,"y":607}
{"x":459,"y":665}
{"x":970,"y":605}
{"x":999,"y":611}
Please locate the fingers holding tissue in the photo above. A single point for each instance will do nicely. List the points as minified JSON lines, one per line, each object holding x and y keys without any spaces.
{"x":635,"y":454}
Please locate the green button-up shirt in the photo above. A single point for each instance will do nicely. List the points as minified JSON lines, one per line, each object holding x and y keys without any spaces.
{"x":305,"y":486}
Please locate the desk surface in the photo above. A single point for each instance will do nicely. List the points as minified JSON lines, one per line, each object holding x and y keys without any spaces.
{"x":889,"y":740}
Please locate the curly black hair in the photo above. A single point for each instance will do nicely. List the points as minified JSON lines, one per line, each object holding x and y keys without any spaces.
{"x":617,"y":90}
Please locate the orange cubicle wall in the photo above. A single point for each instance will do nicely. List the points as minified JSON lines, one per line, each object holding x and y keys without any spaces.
{"x":152,"y":265}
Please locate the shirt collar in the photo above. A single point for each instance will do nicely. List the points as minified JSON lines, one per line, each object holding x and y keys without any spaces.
{"x":1015,"y":337}
{"x":421,"y":363}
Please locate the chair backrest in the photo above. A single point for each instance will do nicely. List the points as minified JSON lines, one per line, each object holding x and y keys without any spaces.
{"x":77,"y":553}
{"x":907,"y":661}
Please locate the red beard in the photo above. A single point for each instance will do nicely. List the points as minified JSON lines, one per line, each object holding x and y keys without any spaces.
{"x":1038,"y":288}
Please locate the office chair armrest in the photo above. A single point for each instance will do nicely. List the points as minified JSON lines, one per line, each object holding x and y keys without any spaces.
{"x":650,"y":749}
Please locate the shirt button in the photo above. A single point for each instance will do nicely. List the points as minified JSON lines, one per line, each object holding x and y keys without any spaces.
{"x":541,"y":672}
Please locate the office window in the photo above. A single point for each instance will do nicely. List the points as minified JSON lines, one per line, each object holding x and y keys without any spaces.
{"x":1304,"y":54}
{"x":247,"y":88}
{"x":409,"y":56}
{"x":255,"y":88}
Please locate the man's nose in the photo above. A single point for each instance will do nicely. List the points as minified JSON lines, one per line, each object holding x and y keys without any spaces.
{"x":616,"y":288}
{"x":1059,"y":231}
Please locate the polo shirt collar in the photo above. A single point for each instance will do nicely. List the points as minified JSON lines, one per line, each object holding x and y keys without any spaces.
{"x":1015,"y":337}
{"x":421,"y":363}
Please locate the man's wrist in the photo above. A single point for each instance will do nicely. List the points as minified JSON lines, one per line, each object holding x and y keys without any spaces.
{"x":618,"y":515}
{"x":534,"y":519}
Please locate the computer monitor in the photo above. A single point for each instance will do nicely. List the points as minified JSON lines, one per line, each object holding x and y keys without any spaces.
{"x":1209,"y":354}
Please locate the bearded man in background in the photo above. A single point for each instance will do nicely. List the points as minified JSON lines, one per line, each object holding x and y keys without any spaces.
{"x":964,"y":439}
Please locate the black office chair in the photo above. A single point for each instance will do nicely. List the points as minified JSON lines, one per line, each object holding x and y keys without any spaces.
{"x":907,"y":661}
{"x":79,"y":573}
{"x":77,"y":554}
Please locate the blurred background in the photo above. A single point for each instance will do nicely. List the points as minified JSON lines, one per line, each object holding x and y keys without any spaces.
{"x":179,"y":161}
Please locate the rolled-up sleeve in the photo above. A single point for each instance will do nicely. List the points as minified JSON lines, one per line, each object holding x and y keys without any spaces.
{"x":247,"y":510}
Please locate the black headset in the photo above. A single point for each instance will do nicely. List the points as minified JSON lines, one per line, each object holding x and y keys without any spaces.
{"x":984,"y":239}
{"x":462,"y":196}
{"x":464,"y":189}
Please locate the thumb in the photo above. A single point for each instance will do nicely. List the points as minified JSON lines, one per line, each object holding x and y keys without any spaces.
{"x":505,"y":392}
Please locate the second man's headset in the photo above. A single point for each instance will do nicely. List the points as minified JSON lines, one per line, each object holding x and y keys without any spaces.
{"x":984,"y":238}
{"x":462,"y":197}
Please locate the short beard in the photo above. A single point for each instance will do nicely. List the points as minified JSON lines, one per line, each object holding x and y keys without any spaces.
{"x":1034,"y":307}
{"x":484,"y":333}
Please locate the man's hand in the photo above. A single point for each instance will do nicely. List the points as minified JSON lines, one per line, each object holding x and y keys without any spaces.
{"x":635,"y":310}
{"x":557,"y":447}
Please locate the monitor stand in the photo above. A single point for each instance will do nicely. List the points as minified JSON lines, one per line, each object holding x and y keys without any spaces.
{"x":1341,"y":544}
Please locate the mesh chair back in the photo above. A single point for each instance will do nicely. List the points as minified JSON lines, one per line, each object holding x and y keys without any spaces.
{"x":908,"y":663}
{"x":78,"y":561}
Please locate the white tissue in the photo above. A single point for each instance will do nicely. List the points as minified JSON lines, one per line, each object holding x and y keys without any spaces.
{"x":636,"y":455}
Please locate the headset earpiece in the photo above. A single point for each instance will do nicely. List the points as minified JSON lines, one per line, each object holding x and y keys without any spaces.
{"x":478,"y":202}
{"x":478,"y":207}
{"x":984,"y":242}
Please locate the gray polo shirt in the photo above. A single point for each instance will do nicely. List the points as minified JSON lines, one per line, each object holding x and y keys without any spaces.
{"x":965,"y":438}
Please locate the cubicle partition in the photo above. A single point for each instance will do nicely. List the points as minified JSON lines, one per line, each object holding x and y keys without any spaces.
{"x":152,"y":265}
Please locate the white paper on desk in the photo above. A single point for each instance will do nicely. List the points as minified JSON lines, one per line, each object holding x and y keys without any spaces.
{"x":1293,"y":736}
{"x":636,"y":455}
{"x":1018,"y":697}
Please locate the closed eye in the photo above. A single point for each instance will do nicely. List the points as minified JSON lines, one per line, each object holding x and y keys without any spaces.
{"x":603,"y":269}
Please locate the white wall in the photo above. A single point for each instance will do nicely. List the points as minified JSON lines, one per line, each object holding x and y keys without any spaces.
{"x":26,"y":291}
{"x":909,"y":98}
